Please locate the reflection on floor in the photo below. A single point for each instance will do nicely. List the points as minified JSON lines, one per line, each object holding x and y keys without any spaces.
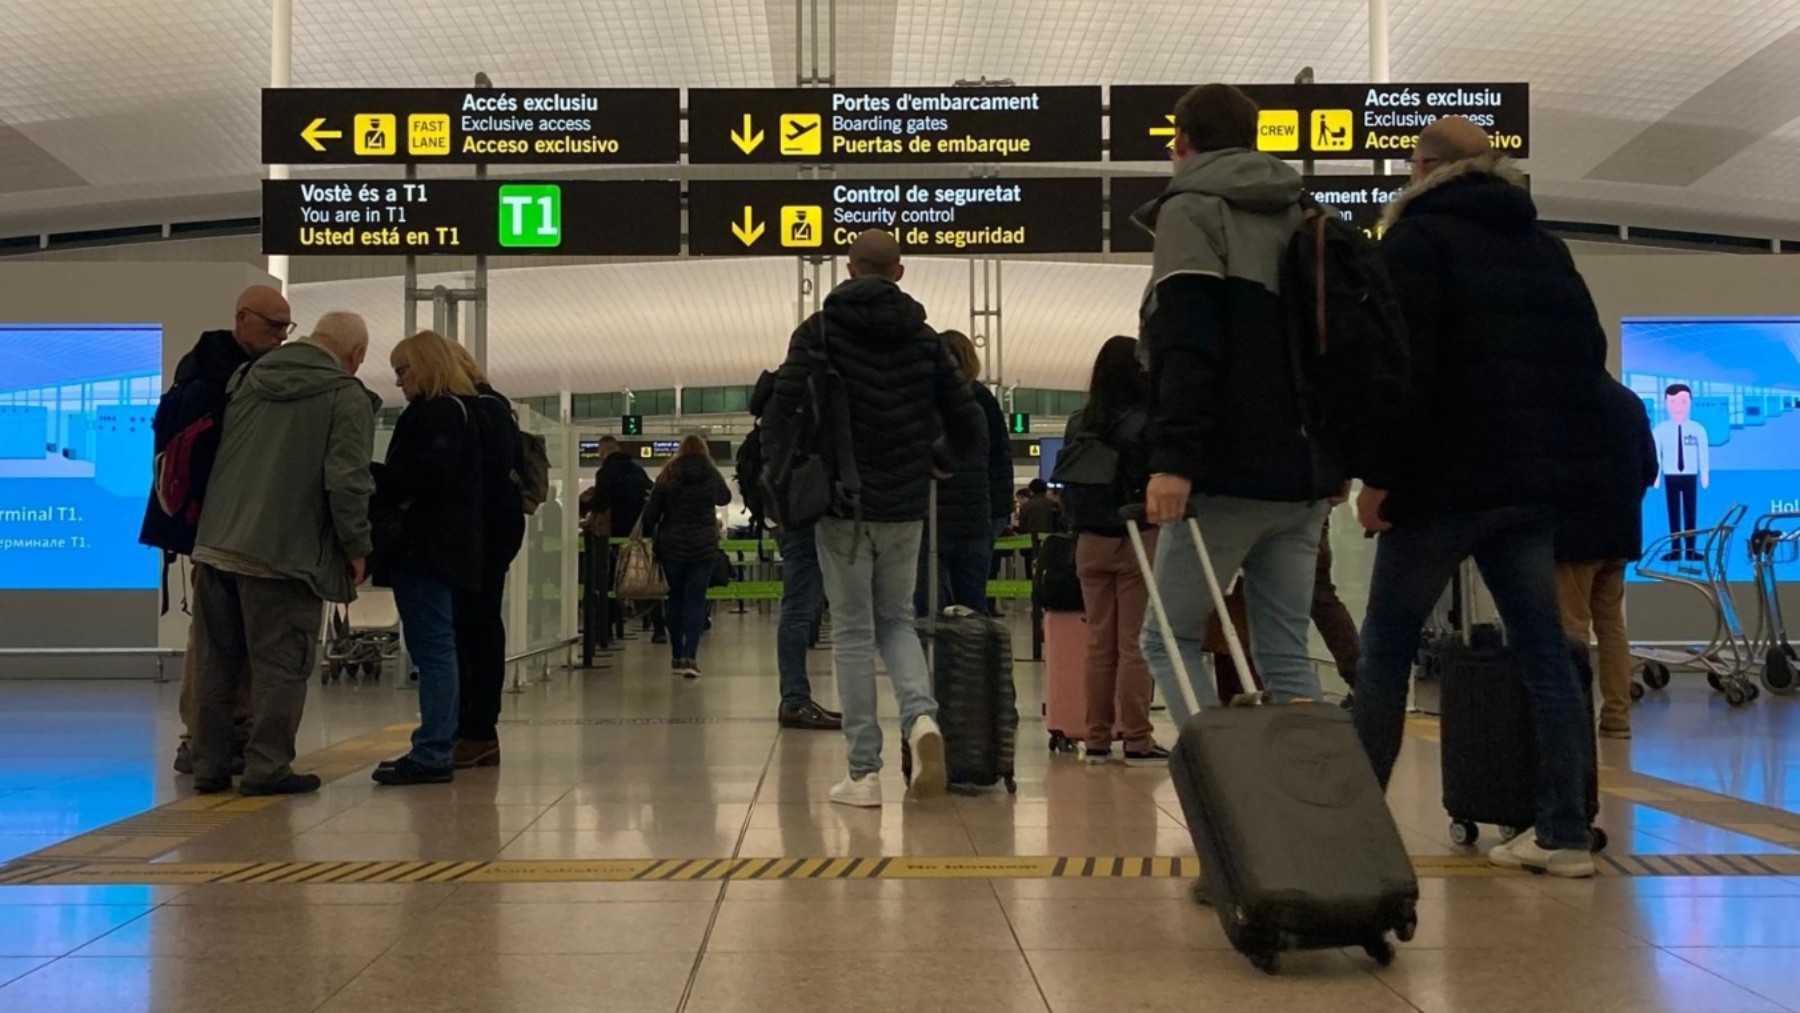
{"x":625,"y":763}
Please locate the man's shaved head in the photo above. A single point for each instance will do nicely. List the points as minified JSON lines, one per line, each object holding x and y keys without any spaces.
{"x":876,"y":252}
{"x":345,"y":336}
{"x":1450,"y":139}
{"x":262,"y":320}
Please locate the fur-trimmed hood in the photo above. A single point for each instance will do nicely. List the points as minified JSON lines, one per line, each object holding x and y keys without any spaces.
{"x":1493,"y":165}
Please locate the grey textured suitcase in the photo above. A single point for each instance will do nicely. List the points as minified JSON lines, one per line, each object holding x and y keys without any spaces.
{"x":1298,"y":848}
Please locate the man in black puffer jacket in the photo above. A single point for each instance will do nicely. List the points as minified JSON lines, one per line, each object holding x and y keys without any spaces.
{"x":1507,"y":354}
{"x":1596,"y":541}
{"x":912,"y":416}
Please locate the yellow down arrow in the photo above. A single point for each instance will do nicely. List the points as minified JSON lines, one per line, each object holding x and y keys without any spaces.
{"x":313,"y":134}
{"x":1168,"y":131}
{"x":751,"y":230}
{"x":747,"y":141}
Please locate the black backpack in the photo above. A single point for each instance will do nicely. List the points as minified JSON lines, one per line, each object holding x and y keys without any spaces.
{"x":1091,"y":470}
{"x":749,"y":475}
{"x":818,"y":477}
{"x":1055,"y":582}
{"x":1351,"y":362}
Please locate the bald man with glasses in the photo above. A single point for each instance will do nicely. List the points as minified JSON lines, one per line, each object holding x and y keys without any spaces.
{"x":261,"y":321}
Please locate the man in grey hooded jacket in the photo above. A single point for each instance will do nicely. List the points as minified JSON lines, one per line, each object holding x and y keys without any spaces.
{"x":1227,"y":436}
{"x":285,"y":528}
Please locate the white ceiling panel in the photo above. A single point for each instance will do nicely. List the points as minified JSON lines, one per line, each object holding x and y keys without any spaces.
{"x":714,"y":322}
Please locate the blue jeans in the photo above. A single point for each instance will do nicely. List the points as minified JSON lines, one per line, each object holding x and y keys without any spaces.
{"x":800,"y":588}
{"x":1276,"y":545}
{"x":688,"y":582}
{"x":962,"y":575}
{"x":872,"y":606}
{"x":428,"y":620}
{"x":1514,"y":548}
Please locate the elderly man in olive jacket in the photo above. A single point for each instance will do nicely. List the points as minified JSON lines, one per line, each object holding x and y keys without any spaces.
{"x":285,"y":529}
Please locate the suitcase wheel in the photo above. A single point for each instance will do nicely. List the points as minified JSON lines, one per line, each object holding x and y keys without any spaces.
{"x":1712,"y":679}
{"x":1381,"y":951}
{"x":1464,"y":833}
{"x":1268,"y":961}
{"x":1012,"y":786}
{"x":1597,"y":839}
{"x":1656,"y":675}
{"x":1060,"y":743}
{"x":1409,"y":926}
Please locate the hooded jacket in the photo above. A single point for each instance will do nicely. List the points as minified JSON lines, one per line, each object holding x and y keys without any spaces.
{"x":1506,"y":347}
{"x":1225,"y":412}
{"x":999,"y":456}
{"x":198,"y":391}
{"x":290,"y":489}
{"x":911,"y":409}
{"x":681,"y":515}
{"x":1607,"y":521}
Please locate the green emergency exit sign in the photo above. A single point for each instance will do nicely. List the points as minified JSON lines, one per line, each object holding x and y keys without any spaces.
{"x":531,"y":215}
{"x":1018,"y":423}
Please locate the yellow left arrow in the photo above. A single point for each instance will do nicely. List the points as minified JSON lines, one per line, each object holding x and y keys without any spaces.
{"x":314,"y":133}
{"x":751,"y":230}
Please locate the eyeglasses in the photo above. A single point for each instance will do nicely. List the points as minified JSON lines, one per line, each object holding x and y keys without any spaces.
{"x":286,"y":327}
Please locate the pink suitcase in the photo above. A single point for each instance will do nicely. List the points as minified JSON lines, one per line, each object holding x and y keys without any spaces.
{"x":1065,"y":679}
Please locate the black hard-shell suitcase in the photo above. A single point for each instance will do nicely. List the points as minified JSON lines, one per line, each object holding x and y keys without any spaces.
{"x":1298,"y":848}
{"x":1489,"y":749}
{"x":972,"y":679}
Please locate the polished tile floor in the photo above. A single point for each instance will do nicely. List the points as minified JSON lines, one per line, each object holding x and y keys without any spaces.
{"x":627,"y":763}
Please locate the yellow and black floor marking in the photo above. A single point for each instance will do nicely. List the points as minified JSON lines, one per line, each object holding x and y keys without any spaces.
{"x":683,"y":870}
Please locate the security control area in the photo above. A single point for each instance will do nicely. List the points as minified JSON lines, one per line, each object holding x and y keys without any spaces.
{"x":623,"y":211}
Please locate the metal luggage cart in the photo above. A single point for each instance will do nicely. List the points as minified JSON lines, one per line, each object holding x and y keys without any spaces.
{"x":1774,"y":542}
{"x":362,"y":637}
{"x":1727,"y":659}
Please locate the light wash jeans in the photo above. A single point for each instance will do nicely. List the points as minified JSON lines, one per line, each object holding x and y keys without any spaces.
{"x":872,"y":608}
{"x":1276,"y":545}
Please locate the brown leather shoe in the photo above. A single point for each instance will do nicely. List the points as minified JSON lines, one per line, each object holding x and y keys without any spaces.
{"x":477,"y":753}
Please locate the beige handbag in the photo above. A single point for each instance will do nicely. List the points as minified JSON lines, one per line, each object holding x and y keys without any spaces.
{"x":639,"y":576}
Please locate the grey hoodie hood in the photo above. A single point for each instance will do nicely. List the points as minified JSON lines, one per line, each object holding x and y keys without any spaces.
{"x":295,"y":371}
{"x":1245,"y":179}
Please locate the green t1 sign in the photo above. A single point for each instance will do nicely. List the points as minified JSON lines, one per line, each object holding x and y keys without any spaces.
{"x":531,"y":215}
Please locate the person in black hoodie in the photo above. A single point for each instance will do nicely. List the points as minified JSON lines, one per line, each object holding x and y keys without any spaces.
{"x":1596,"y":540}
{"x":480,"y":619}
{"x":1503,"y":413}
{"x":432,"y":480}
{"x":620,"y":490}
{"x":965,"y":535}
{"x":682,"y":518}
{"x":911,"y":417}
{"x":261,"y":322}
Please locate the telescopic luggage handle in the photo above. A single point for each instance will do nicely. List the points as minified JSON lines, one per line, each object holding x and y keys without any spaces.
{"x":1134,"y":516}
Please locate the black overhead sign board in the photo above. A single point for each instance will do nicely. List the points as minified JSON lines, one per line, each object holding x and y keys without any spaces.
{"x":1329,"y":121}
{"x":939,"y":216}
{"x":472,"y":217}
{"x":571,"y":126}
{"x":734,"y":126}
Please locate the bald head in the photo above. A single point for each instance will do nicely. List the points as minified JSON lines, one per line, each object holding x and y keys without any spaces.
{"x":1449,"y":139}
{"x":345,"y":336}
{"x":877,"y":253}
{"x":262,"y":320}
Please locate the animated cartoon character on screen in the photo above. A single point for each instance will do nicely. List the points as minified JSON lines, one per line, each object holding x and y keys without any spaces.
{"x":1685,"y":461}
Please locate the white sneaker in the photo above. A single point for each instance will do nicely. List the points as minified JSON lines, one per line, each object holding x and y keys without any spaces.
{"x":1524,"y":852}
{"x":862,"y":792}
{"x":928,"y":758}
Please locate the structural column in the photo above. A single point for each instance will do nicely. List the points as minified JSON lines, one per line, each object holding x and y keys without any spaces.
{"x":281,"y":72}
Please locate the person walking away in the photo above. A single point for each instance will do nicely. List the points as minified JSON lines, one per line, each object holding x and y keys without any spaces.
{"x":621,"y":488}
{"x":433,"y":478}
{"x":1117,"y":418}
{"x":481,"y":615}
{"x":1507,"y":353}
{"x":285,"y":530}
{"x":910,"y":416}
{"x":1598,"y":539}
{"x":1227,"y":437}
{"x":260,"y":323}
{"x":999,"y":466}
{"x":964,"y":526}
{"x":682,"y":520}
{"x":802,"y":588}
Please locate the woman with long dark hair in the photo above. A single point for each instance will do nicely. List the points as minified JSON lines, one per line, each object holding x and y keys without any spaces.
{"x":1119,"y":687}
{"x":682,"y":520}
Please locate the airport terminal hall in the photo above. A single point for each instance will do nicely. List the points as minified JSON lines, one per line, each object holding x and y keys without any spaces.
{"x":899,"y":506}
